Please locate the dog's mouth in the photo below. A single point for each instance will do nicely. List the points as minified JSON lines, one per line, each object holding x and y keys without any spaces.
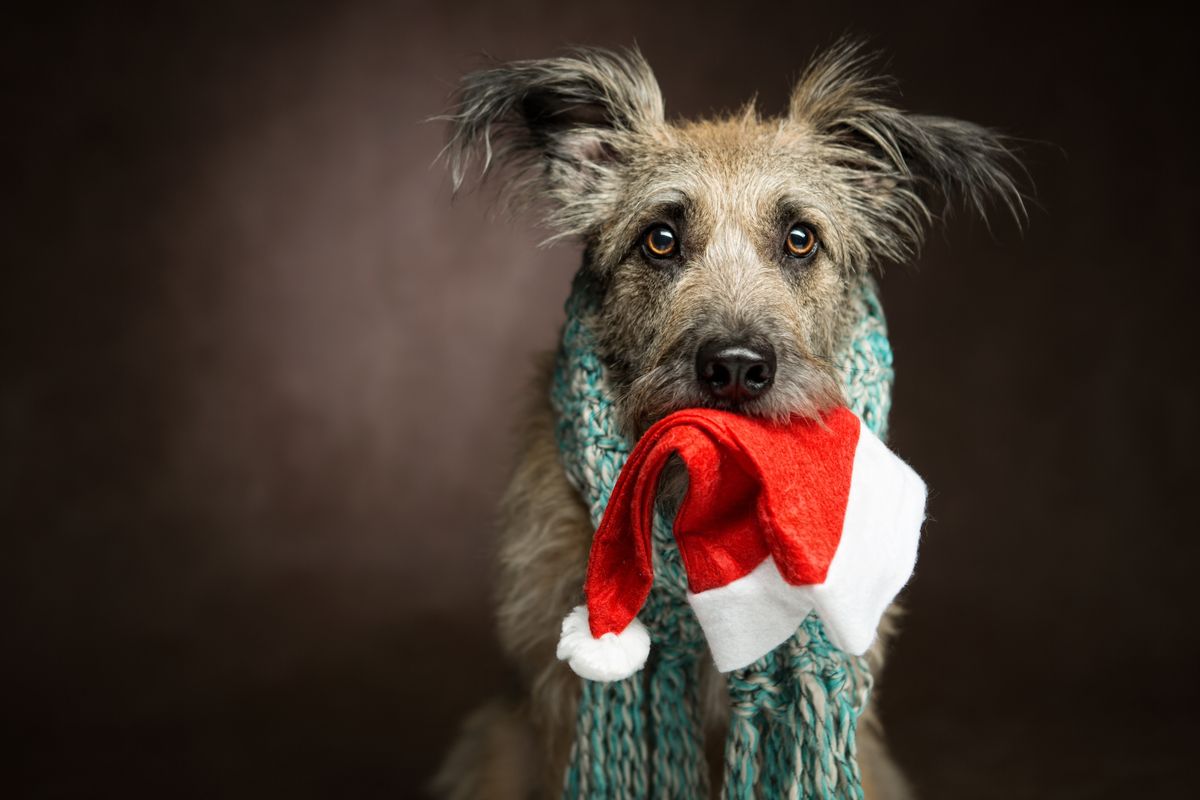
{"x":799,"y":389}
{"x":750,"y":408}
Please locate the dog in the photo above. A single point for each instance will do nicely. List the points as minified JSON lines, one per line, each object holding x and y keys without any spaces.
{"x":723,"y":253}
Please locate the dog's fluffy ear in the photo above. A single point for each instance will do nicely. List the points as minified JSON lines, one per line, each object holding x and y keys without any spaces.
{"x":565,"y":125}
{"x":898,"y":166}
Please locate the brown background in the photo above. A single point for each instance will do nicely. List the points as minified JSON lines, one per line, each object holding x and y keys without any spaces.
{"x":259,"y":374}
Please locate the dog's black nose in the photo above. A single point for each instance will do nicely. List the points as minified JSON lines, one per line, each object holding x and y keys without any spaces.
{"x":735,"y":370}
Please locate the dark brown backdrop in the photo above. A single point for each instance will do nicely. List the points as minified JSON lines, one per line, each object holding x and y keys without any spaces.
{"x":258,"y":375}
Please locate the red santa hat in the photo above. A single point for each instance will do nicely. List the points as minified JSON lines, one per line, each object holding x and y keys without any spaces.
{"x":778,"y":521}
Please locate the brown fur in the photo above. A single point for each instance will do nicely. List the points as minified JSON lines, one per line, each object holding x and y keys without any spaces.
{"x":587,"y":137}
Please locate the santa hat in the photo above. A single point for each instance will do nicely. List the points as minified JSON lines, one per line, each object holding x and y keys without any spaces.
{"x":778,"y":521}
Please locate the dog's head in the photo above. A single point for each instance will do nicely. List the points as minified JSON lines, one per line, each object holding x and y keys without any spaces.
{"x":723,"y":253}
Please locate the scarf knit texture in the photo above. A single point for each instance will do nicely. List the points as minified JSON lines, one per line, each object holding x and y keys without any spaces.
{"x":793,"y":712}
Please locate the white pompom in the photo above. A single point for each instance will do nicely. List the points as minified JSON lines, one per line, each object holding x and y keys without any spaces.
{"x":611,"y":657}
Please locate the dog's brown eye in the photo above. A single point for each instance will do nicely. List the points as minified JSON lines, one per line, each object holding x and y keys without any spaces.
{"x":660,"y":242}
{"x":801,"y":241}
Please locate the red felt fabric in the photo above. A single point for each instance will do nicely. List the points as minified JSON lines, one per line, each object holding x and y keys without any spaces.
{"x":756,"y":488}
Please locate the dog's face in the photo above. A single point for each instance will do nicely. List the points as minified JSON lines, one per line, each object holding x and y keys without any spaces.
{"x":723,"y":254}
{"x":722,"y":281}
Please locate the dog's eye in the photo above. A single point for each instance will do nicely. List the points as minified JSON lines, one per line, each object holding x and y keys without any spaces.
{"x":660,"y":242}
{"x":801,"y":242}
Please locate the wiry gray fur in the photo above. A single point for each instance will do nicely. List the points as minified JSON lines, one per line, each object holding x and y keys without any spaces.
{"x":558,"y":124}
{"x":585,"y":137}
{"x":894,"y":163}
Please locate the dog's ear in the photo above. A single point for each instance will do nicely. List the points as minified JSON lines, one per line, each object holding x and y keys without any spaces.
{"x":898,"y":167}
{"x":565,"y":125}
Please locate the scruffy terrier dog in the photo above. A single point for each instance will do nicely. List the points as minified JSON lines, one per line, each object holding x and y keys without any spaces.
{"x":723,"y":253}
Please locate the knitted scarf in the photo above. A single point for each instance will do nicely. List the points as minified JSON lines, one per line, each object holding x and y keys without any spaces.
{"x":794,"y":712}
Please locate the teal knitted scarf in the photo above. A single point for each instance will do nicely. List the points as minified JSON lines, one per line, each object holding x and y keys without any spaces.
{"x":794,"y":712}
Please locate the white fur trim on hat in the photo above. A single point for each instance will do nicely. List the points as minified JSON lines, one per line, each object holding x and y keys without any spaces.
{"x":749,"y":617}
{"x":611,"y":657}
